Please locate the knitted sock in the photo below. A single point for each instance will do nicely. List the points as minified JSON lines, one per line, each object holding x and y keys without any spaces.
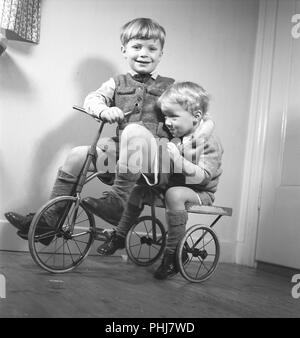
{"x":176,"y":220}
{"x":130,"y":215}
{"x":124,"y":183}
{"x":64,"y":185}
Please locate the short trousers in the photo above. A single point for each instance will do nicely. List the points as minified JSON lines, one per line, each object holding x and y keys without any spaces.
{"x":159,"y":181}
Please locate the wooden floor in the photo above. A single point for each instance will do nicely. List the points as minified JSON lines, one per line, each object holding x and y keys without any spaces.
{"x":111,"y":287}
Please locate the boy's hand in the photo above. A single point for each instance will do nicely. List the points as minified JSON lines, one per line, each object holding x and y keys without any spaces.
{"x":112,"y":115}
{"x":173,"y":151}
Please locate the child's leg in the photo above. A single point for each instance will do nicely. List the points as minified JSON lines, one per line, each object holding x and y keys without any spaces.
{"x":64,"y":184}
{"x":137,"y":154}
{"x":132,"y":211}
{"x":138,"y":149}
{"x":117,"y":241}
{"x":176,"y":199}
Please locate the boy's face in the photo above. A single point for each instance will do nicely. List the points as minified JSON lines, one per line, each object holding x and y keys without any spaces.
{"x":143,"y":56}
{"x":179,"y":121}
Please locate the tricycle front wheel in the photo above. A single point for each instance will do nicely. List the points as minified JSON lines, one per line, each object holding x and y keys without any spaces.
{"x":63,"y":247}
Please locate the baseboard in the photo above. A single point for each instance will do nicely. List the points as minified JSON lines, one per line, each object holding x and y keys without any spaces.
{"x":227,"y":250}
{"x":9,"y":240}
{"x":277,"y":269}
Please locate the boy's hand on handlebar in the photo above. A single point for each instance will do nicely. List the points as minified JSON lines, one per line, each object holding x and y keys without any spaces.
{"x":112,"y":115}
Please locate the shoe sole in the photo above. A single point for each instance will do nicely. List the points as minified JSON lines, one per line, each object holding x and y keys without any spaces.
{"x":22,"y":235}
{"x":167,"y":277}
{"x":45,"y":241}
{"x":103,"y":253}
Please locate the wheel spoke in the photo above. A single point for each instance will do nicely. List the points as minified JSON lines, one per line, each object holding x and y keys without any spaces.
{"x":202,"y":261}
{"x":202,"y":247}
{"x":199,"y":268}
{"x":191,"y":238}
{"x":159,"y":242}
{"x":80,"y":213}
{"x":189,"y":261}
{"x":139,"y":252}
{"x":205,"y":244}
{"x":78,"y":248}
{"x":54,"y":253}
{"x":77,"y":240}
{"x":61,"y":255}
{"x":146,"y":228}
{"x":134,"y":245}
{"x":81,"y":221}
{"x":140,"y":236}
{"x":70,"y":252}
{"x":64,"y":252}
{"x":154,"y":247}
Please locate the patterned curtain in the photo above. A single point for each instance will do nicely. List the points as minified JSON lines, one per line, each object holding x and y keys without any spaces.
{"x":23,"y":18}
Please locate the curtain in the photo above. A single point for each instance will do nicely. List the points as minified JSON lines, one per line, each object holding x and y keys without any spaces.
{"x":23,"y":18}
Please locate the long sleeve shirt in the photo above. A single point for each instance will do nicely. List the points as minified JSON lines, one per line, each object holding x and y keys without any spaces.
{"x":199,"y":165}
{"x":102,"y":98}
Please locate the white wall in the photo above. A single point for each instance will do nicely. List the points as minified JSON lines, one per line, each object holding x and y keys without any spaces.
{"x":208,"y":41}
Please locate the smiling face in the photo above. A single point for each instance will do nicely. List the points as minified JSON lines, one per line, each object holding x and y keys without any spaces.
{"x":143,"y":56}
{"x":179,"y":121}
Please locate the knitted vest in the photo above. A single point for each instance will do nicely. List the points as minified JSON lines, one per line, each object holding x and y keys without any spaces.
{"x":141,"y":99}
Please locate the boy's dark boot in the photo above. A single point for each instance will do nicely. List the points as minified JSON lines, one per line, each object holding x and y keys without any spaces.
{"x":110,"y":246}
{"x":111,"y":204}
{"x":64,"y":184}
{"x":128,"y":218}
{"x":176,"y":220}
{"x":167,"y":267}
{"x":22,"y":223}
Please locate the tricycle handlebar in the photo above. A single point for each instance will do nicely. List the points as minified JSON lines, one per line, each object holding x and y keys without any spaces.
{"x":86,"y":112}
{"x":94,"y":116}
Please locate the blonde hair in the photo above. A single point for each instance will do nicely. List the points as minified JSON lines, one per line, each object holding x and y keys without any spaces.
{"x":142,"y":28}
{"x":189,"y":95}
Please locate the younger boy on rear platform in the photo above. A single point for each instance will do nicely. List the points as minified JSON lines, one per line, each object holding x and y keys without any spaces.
{"x":195,"y":158}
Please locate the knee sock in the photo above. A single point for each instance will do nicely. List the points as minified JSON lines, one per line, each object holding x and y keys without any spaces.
{"x":124,"y":183}
{"x":176,"y":220}
{"x":64,"y":185}
{"x":130,"y":215}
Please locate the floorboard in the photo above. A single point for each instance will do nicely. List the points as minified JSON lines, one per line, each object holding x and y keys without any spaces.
{"x":113,"y":288}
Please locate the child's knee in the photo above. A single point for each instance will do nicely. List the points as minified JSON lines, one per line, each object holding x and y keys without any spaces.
{"x":78,"y":152}
{"x":76,"y":156}
{"x":173,"y":198}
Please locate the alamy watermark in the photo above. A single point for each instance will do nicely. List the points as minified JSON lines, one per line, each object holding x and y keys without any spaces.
{"x":296,"y":288}
{"x":2,"y":286}
{"x":296,"y":28}
{"x":156,"y":155}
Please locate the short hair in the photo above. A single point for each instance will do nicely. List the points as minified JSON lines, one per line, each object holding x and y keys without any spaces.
{"x":189,"y":95}
{"x":142,"y":28}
